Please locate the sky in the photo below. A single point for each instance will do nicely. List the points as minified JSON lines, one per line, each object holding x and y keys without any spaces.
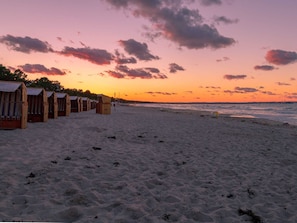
{"x":157,"y":50}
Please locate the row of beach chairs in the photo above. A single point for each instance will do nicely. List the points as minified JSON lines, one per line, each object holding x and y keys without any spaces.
{"x":20,"y":104}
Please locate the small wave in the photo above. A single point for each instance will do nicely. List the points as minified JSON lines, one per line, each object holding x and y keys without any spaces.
{"x":281,"y":112}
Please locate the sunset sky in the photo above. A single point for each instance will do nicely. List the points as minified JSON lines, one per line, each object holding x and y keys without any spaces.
{"x":157,"y":50}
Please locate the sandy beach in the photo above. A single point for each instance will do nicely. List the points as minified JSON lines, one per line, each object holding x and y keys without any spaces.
{"x":149,"y":165}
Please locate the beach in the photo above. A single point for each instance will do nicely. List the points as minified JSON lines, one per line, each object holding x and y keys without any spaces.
{"x":149,"y":165}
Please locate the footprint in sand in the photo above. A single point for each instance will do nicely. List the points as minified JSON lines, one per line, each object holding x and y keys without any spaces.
{"x":116,"y":164}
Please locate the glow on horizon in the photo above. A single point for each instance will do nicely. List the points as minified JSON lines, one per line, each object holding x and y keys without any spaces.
{"x":254,"y":59}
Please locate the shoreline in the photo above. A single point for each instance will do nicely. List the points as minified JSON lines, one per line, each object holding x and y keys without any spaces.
{"x":149,"y":165}
{"x":242,"y":118}
{"x":215,"y":113}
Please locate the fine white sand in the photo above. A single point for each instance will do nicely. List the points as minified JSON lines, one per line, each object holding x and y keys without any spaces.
{"x":149,"y":165}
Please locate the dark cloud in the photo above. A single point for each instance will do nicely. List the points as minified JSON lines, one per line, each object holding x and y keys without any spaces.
{"x":229,"y":92}
{"x":241,"y":90}
{"x":211,"y":2}
{"x":116,"y":74}
{"x":60,"y":39}
{"x":223,"y":59}
{"x":264,"y":67}
{"x":173,"y":68}
{"x":292,"y":79}
{"x":122,"y":71}
{"x":121,"y":59}
{"x":118,"y":3}
{"x":268,"y":93}
{"x":140,"y":50}
{"x":281,"y":57}
{"x":177,"y":23}
{"x":292,"y":96}
{"x":160,"y":93}
{"x":183,"y":27}
{"x":245,"y":90}
{"x":212,"y":87}
{"x":125,"y":60}
{"x":83,"y":44}
{"x":96,"y":56}
{"x":25,"y":44}
{"x":152,"y":70}
{"x":234,"y":77}
{"x":225,"y":20}
{"x":41,"y":69}
{"x":282,"y":84}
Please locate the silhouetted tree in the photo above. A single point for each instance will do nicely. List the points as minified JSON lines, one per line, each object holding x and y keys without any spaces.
{"x":43,"y":82}
{"x":47,"y":84}
{"x":80,"y":93}
{"x":7,"y":75}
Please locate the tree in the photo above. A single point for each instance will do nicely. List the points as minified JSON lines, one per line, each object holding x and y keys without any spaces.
{"x":45,"y":83}
{"x":80,"y":93}
{"x":20,"y":76}
{"x":7,"y":75}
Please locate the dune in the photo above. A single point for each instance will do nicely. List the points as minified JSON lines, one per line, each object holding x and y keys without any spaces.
{"x":149,"y":165}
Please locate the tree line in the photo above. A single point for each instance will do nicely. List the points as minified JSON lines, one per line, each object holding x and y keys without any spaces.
{"x":43,"y":82}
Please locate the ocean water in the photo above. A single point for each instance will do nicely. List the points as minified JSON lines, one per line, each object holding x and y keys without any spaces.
{"x":282,"y":112}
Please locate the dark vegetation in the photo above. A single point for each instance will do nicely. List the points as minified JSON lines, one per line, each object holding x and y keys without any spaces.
{"x":48,"y":85}
{"x":43,"y":82}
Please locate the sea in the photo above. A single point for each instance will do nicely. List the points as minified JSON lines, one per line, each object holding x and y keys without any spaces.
{"x":285,"y":112}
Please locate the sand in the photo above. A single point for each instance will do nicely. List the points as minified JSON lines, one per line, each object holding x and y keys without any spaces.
{"x":149,"y":165}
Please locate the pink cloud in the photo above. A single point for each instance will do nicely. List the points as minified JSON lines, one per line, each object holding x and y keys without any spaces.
{"x":41,"y":69}
{"x":115,"y":74}
{"x":123,"y":71}
{"x":96,"y":56}
{"x":281,"y":57}
{"x":173,"y":68}
{"x":122,"y":59}
{"x":140,"y":50}
{"x":177,"y":23}
{"x":25,"y":44}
